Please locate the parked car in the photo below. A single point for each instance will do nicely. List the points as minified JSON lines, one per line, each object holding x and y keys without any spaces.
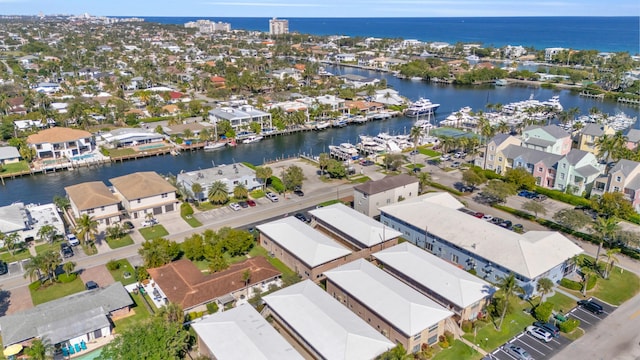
{"x":73,"y":240}
{"x":149,"y":222}
{"x":445,"y":157}
{"x":539,"y":333}
{"x":271,"y":196}
{"x":251,"y":203}
{"x":507,"y":224}
{"x":414,"y":152}
{"x":66,"y":250}
{"x":548,"y":327}
{"x":243,"y":204}
{"x":497,"y":220}
{"x":479,"y":215}
{"x":128,"y":225}
{"x":591,"y":306}
{"x":298,"y":192}
{"x":517,"y":352}
{"x":3,"y":268}
{"x":524,"y":193}
{"x":518,"y":228}
{"x":234,"y":206}
{"x":460,"y":155}
{"x":91,"y":285}
{"x":366,"y":162}
{"x":487,"y":217}
{"x":301,"y":217}
{"x":540,"y":197}
{"x":455,"y":164}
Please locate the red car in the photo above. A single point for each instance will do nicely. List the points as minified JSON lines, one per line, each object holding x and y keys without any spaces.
{"x":479,"y":215}
{"x":251,"y":203}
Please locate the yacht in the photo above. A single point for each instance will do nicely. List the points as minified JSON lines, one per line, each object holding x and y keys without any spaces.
{"x":473,"y":58}
{"x":252,"y":139}
{"x":214,"y":145}
{"x":422,"y":107}
{"x":320,"y":125}
{"x":344,"y":151}
{"x":554,"y":103}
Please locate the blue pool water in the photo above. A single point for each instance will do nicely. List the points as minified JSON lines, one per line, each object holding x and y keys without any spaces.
{"x":81,"y":157}
{"x":91,"y":355}
{"x":148,"y":147}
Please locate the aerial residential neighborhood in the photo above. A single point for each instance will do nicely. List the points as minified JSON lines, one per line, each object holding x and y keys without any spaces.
{"x":193,"y":190}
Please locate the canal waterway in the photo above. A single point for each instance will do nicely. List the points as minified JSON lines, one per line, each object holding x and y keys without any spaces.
{"x":42,"y":188}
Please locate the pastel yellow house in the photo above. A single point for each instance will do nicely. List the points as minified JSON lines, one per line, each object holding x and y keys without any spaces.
{"x":493,"y":157}
{"x":588,"y":137}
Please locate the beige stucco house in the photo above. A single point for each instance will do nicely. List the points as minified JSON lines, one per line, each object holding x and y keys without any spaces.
{"x":145,"y":192}
{"x":94,"y":199}
{"x":368,"y":197}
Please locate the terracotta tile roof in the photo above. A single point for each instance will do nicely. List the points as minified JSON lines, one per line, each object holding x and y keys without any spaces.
{"x":184,"y":284}
{"x":57,"y":135}
{"x":217,"y":79}
{"x":90,"y":195}
{"x":141,"y":185}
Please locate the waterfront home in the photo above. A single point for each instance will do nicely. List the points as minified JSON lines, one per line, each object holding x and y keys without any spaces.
{"x":282,"y":74}
{"x":60,"y":142}
{"x":9,"y":155}
{"x":576,"y":171}
{"x":145,"y":192}
{"x":388,"y":97}
{"x":240,"y":116}
{"x":550,"y":53}
{"x":306,"y":251}
{"x":182,"y":283}
{"x":551,"y":138}
{"x":514,"y":52}
{"x":82,"y":317}
{"x":589,"y":135}
{"x":95,"y":200}
{"x":434,"y":223}
{"x":27,"y":220}
{"x":345,"y":57}
{"x":322,"y":327}
{"x":357,"y":81}
{"x":396,"y":310}
{"x":364,"y":107}
{"x":368,"y":197}
{"x":28,"y":125}
{"x":356,"y":231}
{"x":624,"y":177}
{"x":195,"y":128}
{"x":231,"y":175}
{"x":241,"y":333}
{"x":331,"y":102}
{"x":125,"y":137}
{"x":455,"y":289}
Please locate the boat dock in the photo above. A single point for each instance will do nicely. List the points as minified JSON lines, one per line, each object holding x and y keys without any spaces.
{"x":629,"y":101}
{"x":591,"y":96}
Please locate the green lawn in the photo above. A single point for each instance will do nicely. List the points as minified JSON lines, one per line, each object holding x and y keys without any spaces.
{"x":330,"y":202}
{"x":428,"y":152}
{"x":153,"y":232}
{"x":17,"y":256}
{"x":561,"y":302}
{"x":118,"y":243}
{"x":257,"y":194}
{"x":120,"y":152}
{"x":55,"y":246}
{"x":118,"y":274}
{"x":15,"y":167}
{"x":489,"y":338}
{"x":458,"y":350}
{"x":359,"y":179}
{"x":620,"y":287}
{"x":192,"y":221}
{"x":141,"y":313}
{"x":54,"y":291}
{"x":205,"y":205}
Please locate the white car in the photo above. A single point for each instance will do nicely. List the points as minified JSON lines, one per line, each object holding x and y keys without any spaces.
{"x":149,"y":222}
{"x":73,"y":240}
{"x":234,"y":206}
{"x":487,"y":217}
{"x":445,"y":157}
{"x":539,"y":333}
{"x":460,"y":155}
{"x":271,"y":196}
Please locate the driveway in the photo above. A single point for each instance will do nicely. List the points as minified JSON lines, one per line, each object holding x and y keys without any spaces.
{"x":19,"y":300}
{"x":99,"y":274}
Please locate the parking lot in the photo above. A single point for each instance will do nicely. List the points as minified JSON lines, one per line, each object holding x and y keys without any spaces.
{"x":541,"y":350}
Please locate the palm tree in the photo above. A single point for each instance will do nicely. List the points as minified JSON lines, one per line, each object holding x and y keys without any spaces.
{"x":415,"y":135}
{"x":263,"y":173}
{"x":40,"y":349}
{"x":171,"y":313}
{"x":68,"y":267}
{"x":323,"y":162}
{"x":545,"y":286}
{"x":12,"y":242}
{"x":240,"y":191}
{"x":50,"y":262}
{"x":47,"y":233}
{"x":33,"y":268}
{"x":424,"y":179}
{"x":218,"y":192}
{"x":611,"y":261}
{"x":86,"y":228}
{"x":196,"y":189}
{"x":587,"y":273}
{"x":605,"y":229}
{"x":509,"y":287}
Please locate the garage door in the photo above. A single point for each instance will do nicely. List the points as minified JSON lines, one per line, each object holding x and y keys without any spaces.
{"x":168,"y":208}
{"x":157,"y":211}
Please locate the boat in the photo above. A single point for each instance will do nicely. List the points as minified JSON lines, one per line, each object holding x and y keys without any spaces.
{"x":422,"y":107}
{"x":473,"y":58}
{"x":320,"y":125}
{"x":210,"y":146}
{"x":340,"y":122}
{"x":252,"y":139}
{"x":344,"y":151}
{"x":554,"y":103}
{"x":416,"y":78}
{"x":500,"y":82}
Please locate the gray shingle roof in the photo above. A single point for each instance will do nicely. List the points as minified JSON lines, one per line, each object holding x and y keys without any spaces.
{"x":634,"y":184}
{"x":593,"y":129}
{"x":575,"y":155}
{"x":385,"y":184}
{"x":625,"y":166}
{"x":633,"y":135}
{"x":555,"y":131}
{"x":531,"y":156}
{"x":8,"y":152}
{"x":587,"y":170}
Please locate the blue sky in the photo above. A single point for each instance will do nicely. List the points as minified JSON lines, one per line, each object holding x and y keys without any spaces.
{"x":325,"y":8}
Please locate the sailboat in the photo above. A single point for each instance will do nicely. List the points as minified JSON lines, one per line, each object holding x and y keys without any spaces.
{"x":214,"y":145}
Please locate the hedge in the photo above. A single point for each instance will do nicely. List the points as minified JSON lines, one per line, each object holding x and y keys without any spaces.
{"x":445,"y":188}
{"x":488,"y":174}
{"x":543,"y":311}
{"x":591,"y":282}
{"x":186,"y":209}
{"x":570,"y":284}
{"x":277,"y":184}
{"x":569,"y":325}
{"x":564,"y":197}
{"x":63,"y":278}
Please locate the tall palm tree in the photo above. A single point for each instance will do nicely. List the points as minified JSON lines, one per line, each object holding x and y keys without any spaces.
{"x":587,"y":273}
{"x":40,"y":349}
{"x":611,"y":260}
{"x":604,"y":229}
{"x":68,"y":267}
{"x":240,"y":191}
{"x":12,"y":242}
{"x":50,"y":262}
{"x":218,"y":192}
{"x":545,"y":286}
{"x":508,"y":287}
{"x":196,"y":189}
{"x":86,"y":228}
{"x":263,"y":173}
{"x":47,"y":233}
{"x":33,"y":268}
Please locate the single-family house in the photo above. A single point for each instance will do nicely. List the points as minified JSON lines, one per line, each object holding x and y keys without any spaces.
{"x":321,"y":326}
{"x":182,"y":283}
{"x":125,"y":137}
{"x":369,"y":196}
{"x":551,"y":138}
{"x":623,"y":177}
{"x":9,"y":155}
{"x":577,"y":170}
{"x":95,"y":200}
{"x":145,"y":192}
{"x":493,"y":158}
{"x":82,"y":317}
{"x":388,"y":97}
{"x":60,"y":142}
{"x":450,"y":286}
{"x":590,"y":134}
{"x":396,"y":310}
{"x":231,"y":175}
{"x":433,"y":222}
{"x":306,"y":251}
{"x":345,"y":57}
{"x":180,"y":129}
{"x":27,"y":220}
{"x":241,"y":333}
{"x":240,"y":116}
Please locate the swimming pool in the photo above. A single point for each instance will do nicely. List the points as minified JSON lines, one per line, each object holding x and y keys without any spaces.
{"x":91,"y":355}
{"x":81,"y":157}
{"x":152,"y":146}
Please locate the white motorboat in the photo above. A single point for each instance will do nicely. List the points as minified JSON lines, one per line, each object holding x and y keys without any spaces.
{"x":422,"y":107}
{"x":210,"y":146}
{"x":344,"y":151}
{"x":252,"y":139}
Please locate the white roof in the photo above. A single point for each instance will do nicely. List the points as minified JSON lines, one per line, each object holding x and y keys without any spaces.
{"x":242,"y":333}
{"x":310,"y":246}
{"x":355,"y":225}
{"x":13,"y":218}
{"x":529,"y":255}
{"x":399,"y":304}
{"x":439,"y":276}
{"x":329,"y":327}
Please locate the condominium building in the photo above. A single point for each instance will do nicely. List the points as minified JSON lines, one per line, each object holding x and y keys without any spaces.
{"x":278,"y":26}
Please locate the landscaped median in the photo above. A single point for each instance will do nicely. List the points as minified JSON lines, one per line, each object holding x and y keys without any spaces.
{"x":153,"y":232}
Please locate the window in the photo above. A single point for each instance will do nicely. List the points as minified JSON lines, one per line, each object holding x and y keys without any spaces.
{"x":138,"y":201}
{"x":432,"y":340}
{"x":491,"y":157}
{"x":164,"y":195}
{"x":562,"y":176}
{"x":454,"y":258}
{"x":564,"y":165}
{"x":102,"y":208}
{"x":616,"y":189}
{"x":500,"y":158}
{"x":540,"y":169}
{"x":90,"y":211}
{"x":492,"y":147}
{"x":433,"y":328}
{"x":429,"y":246}
{"x":618,"y":178}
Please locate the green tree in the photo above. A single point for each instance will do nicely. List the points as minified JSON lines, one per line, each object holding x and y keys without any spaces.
{"x":218,"y":193}
{"x":215,"y":257}
{"x":508,"y":288}
{"x":240,"y":192}
{"x":587,"y":272}
{"x":263,"y":173}
{"x":86,"y":228}
{"x":193,"y":247}
{"x":610,"y":261}
{"x":498,"y":190}
{"x":534,"y":207}
{"x":473,"y":178}
{"x":571,"y":218}
{"x":40,"y":349}
{"x":521,"y":178}
{"x":171,"y":313}
{"x":47,"y":233}
{"x":115,"y":231}
{"x":605,"y":229}
{"x":323,"y":162}
{"x":612,"y":204}
{"x":33,"y":268}
{"x":158,"y":252}
{"x":396,"y":353}
{"x":68,"y":267}
{"x":393,"y":161}
{"x":544,"y":286}
{"x":543,"y":311}
{"x":196,"y":190}
{"x":292,"y":177}
{"x":150,"y":339}
{"x":424,"y":179}
{"x":336,"y":169}
{"x":12,"y":242}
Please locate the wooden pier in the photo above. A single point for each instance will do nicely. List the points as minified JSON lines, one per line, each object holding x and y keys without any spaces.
{"x":592,"y":96}
{"x":629,"y":101}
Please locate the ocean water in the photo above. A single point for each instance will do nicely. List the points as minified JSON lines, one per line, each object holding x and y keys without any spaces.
{"x":611,"y":34}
